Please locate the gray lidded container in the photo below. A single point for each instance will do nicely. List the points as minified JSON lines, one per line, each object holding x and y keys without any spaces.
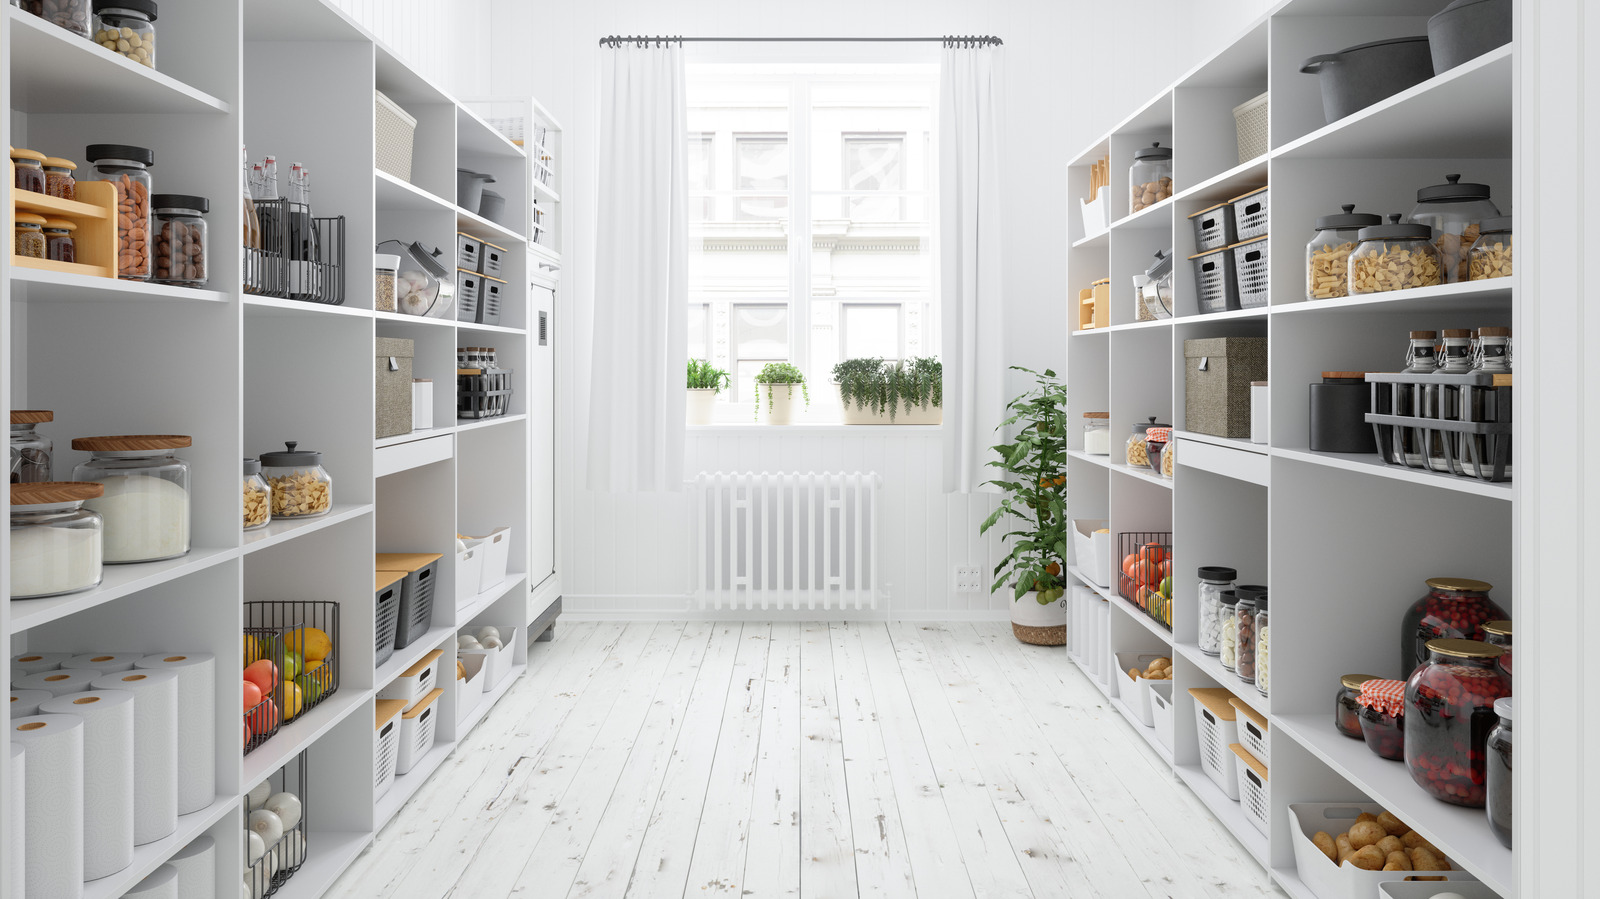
{"x":469,"y":187}
{"x":493,"y":206}
{"x":395,"y":356}
{"x":1467,"y":29}
{"x":1357,"y":77}
{"x":1217,"y":372}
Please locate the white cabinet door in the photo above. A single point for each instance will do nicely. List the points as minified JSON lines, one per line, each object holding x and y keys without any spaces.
{"x":542,"y":455}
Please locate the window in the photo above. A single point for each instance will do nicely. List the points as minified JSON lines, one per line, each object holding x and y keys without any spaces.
{"x":812,"y":219}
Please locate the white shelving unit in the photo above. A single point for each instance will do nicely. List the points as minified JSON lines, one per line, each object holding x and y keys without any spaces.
{"x":1272,"y":511}
{"x":243,"y":374}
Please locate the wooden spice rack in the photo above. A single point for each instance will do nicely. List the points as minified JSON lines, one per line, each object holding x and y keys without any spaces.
{"x":94,"y":212}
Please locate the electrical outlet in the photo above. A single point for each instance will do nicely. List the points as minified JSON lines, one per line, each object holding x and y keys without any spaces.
{"x":968,"y":579}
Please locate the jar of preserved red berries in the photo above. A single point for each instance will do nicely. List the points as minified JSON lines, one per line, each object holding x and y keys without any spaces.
{"x":1449,"y":713}
{"x":1455,"y":608}
{"x":1346,"y":713}
{"x":1498,"y":633}
{"x":1383,"y":717}
{"x":1498,"y":803}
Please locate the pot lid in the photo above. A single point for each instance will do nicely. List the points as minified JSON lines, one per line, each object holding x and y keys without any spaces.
{"x":252,"y":466}
{"x":1140,"y":428}
{"x":131,"y":443}
{"x":1453,"y":190}
{"x":97,"y":152}
{"x":1217,"y":573}
{"x":1459,"y":584}
{"x":50,"y":492}
{"x":31,"y":416}
{"x":1348,"y":219}
{"x":1154,"y":151}
{"x":291,"y":457}
{"x":1395,"y":230}
{"x":180,"y":201}
{"x":1496,"y":224}
{"x":1354,"y":681}
{"x":1161,"y":267}
{"x":1466,"y":649}
{"x":1312,"y":65}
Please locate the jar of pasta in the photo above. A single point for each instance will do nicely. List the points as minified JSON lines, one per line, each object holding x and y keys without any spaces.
{"x":1455,"y":211}
{"x":301,"y":487}
{"x":257,"y":497}
{"x":1395,"y":256}
{"x":1328,"y":253}
{"x":1490,"y":256}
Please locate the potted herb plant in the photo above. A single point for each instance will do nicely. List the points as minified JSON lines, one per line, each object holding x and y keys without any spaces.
{"x":1033,"y":464}
{"x":778,"y":380}
{"x":705,"y":382}
{"x":875,"y":392}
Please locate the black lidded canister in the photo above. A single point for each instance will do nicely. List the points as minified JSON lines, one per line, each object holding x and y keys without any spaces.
{"x":1339,"y":406}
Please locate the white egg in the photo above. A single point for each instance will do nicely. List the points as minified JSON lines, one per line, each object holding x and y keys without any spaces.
{"x":484,"y":633}
{"x":255,"y":846}
{"x":258,"y":795}
{"x":287,"y":807}
{"x":491,"y":643}
{"x":268,"y":825}
{"x":245,"y":891}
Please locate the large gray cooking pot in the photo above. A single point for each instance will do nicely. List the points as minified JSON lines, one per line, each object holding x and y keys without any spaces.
{"x":1357,"y":77}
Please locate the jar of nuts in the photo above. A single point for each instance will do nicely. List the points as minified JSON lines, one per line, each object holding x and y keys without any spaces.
{"x":125,"y":27}
{"x":301,"y":487}
{"x":1394,"y":257}
{"x":1490,"y":256}
{"x":127,"y":168}
{"x":180,"y":229}
{"x":257,"y":497}
{"x":1150,"y":176}
{"x":72,"y":15}
{"x":1456,"y":211}
{"x":29,"y":167}
{"x":1328,"y":254}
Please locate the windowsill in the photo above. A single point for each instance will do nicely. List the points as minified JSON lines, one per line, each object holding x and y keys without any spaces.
{"x":812,"y":430}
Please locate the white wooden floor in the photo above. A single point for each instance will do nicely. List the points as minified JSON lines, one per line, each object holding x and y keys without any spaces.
{"x":815,"y":760}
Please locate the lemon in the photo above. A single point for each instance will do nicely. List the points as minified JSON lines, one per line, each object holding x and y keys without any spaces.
{"x":252,"y":650}
{"x":292,"y":701}
{"x":312,"y":643}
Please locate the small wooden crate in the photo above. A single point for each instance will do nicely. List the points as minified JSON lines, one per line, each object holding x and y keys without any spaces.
{"x":94,"y":212}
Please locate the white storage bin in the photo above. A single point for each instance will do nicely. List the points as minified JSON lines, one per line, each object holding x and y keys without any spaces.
{"x":1255,"y":796}
{"x":497,"y":663}
{"x":496,"y":547}
{"x":421,"y":404}
{"x":394,"y":137}
{"x":1399,"y":889}
{"x":416,"y":731}
{"x":469,"y":689}
{"x":386,"y":745}
{"x":1104,"y":661}
{"x":1133,"y":691}
{"x":1332,"y":881}
{"x":1214,"y":723}
{"x":469,"y":572}
{"x":1250,"y":126}
{"x":1096,"y":215}
{"x":1093,"y":550}
{"x":414,"y":683}
{"x":1162,"y":711}
{"x":1252,"y":730}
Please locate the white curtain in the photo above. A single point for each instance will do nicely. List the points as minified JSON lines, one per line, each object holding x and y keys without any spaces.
{"x":636,"y":402}
{"x":970,"y":124}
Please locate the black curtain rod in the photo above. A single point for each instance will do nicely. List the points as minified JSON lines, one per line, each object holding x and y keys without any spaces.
{"x":950,"y":40}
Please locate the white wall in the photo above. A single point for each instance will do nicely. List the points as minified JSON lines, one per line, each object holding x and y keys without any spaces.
{"x":437,"y":37}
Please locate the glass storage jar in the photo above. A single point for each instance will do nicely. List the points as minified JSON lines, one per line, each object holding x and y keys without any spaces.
{"x":33,"y":7}
{"x":32,"y":453}
{"x":1346,"y":711}
{"x":180,"y":230}
{"x":146,"y":501}
{"x":1097,"y":433}
{"x":1150,"y":176}
{"x":384,"y":267}
{"x":1328,"y":253}
{"x":1244,"y":662}
{"x":1214,"y":579}
{"x":1138,"y":454}
{"x":1263,"y":648}
{"x":1454,"y":607}
{"x":29,"y":170}
{"x":1497,"y":801}
{"x":1449,"y":713}
{"x":301,"y":487}
{"x":126,"y":27}
{"x":1156,"y":441}
{"x":30,"y":236}
{"x":1498,"y":633}
{"x":55,"y":541}
{"x":1395,"y":256}
{"x":1422,"y":354}
{"x":1381,"y":708}
{"x":257,"y":497}
{"x":1228,"y":640}
{"x":1490,"y":256}
{"x":59,"y":244}
{"x":1456,"y":211}
{"x":1493,"y":352}
{"x":128,"y":169}
{"x":1458,"y":351}
{"x":58,"y":178}
{"x":72,"y":15}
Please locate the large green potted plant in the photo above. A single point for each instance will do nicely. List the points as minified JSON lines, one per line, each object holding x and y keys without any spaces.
{"x":705,"y":382}
{"x":777,"y":380}
{"x":875,"y":392}
{"x":1033,"y":466}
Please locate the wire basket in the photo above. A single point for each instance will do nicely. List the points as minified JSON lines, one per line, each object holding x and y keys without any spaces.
{"x":287,"y":854}
{"x":301,"y":256}
{"x":281,"y":632}
{"x":483,"y":395}
{"x":1146,"y":570}
{"x":1456,"y":424}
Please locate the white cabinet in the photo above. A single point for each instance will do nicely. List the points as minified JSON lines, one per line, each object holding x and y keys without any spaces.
{"x":542,"y":443}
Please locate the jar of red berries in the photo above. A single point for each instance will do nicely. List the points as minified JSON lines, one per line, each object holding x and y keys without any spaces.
{"x":1498,"y":633}
{"x":1449,"y":713}
{"x":1346,"y":713}
{"x":1383,"y":717}
{"x":1455,"y":608}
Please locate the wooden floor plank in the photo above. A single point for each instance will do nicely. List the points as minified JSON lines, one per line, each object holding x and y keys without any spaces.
{"x":827,"y":851}
{"x":772,"y":861}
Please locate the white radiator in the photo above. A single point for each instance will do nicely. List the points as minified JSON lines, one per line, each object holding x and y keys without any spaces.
{"x":785,"y":540}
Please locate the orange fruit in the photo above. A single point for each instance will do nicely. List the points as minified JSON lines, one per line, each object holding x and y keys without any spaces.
{"x":1146,"y":574}
{"x":1052,"y":569}
{"x":1128,"y":561}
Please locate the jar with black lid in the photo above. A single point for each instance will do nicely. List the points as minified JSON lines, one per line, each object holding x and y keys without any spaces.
{"x":1244,"y":663}
{"x":1213,"y":581}
{"x":1395,"y":256}
{"x":180,"y":234}
{"x":1150,"y":176}
{"x":1328,"y":253}
{"x":1455,"y":211}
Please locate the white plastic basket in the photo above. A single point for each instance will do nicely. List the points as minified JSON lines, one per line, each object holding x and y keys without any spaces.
{"x":1214,"y":723}
{"x":1255,"y":794}
{"x":1093,"y":551}
{"x":1327,"y":879}
{"x":1250,"y":122}
{"x":417,"y":728}
{"x":393,"y":138}
{"x":1252,"y":730}
{"x":386,"y":748}
{"x":469,"y":572}
{"x":1133,"y":690}
{"x":469,"y":690}
{"x":497,"y":663}
{"x":414,"y":683}
{"x":1096,"y":214}
{"x":1103,"y":660}
{"x":1416,"y":890}
{"x":1166,"y":717}
{"x":496,"y":552}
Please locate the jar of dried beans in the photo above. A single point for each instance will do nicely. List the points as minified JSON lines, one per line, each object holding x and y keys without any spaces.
{"x":180,"y":233}
{"x":128,"y":169}
{"x":1244,"y":663}
{"x":1449,"y":712}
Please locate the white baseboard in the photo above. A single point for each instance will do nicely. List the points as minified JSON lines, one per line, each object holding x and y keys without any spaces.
{"x":681,"y":608}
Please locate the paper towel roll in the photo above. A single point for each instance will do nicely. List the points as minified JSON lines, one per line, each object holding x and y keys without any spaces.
{"x":197,"y":725}
{"x":61,"y":682}
{"x":197,"y":869}
{"x":17,"y":821}
{"x":107,"y":776}
{"x":161,"y":884}
{"x":104,"y":662}
{"x":35,"y":662}
{"x":54,"y":794}
{"x":26,"y":702}
{"x":155,"y":749}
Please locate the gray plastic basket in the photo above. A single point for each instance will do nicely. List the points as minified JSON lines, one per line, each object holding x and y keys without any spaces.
{"x":1250,"y":214}
{"x":1213,"y":228}
{"x":1251,"y":272}
{"x":387,"y":603}
{"x":1216,"y":289}
{"x":416,"y":604}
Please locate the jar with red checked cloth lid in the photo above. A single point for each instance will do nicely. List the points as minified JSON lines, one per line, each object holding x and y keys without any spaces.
{"x":1346,"y":712}
{"x":1455,"y":607}
{"x":1383,"y":717}
{"x":1449,"y":713}
{"x":1498,"y":633}
{"x":1156,"y":440}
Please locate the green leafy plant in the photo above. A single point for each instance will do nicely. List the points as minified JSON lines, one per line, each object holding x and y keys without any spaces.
{"x":878,"y":385}
{"x":774,"y":374}
{"x":705,"y":376}
{"x":1034,"y":475}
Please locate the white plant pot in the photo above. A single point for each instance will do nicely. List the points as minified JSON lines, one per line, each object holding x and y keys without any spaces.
{"x":778,"y":402}
{"x":906,"y":415}
{"x":1041,"y":625}
{"x":701,"y":404}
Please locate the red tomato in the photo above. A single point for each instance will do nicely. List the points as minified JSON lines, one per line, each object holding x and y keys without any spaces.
{"x":264,"y":718}
{"x":252,"y":696}
{"x":263,"y":674}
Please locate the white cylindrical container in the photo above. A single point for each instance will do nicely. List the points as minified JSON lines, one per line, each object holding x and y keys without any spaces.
{"x":53,"y":858}
{"x":197,"y":702}
{"x":1260,"y":413}
{"x":107,"y":777}
{"x":196,"y":864}
{"x":104,"y":662}
{"x":161,"y":884}
{"x":26,"y":702}
{"x":421,"y":404}
{"x":34,"y":662}
{"x":59,"y":682}
{"x":155,"y":749}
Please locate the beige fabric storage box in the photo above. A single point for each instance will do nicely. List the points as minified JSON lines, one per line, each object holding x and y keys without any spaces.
{"x":395,"y":358}
{"x":1216,"y":383}
{"x":394,"y":135}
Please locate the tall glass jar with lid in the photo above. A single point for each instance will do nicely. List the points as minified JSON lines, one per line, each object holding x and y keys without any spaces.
{"x":1150,"y":176}
{"x":1449,"y":713}
{"x":1214,"y":579}
{"x":30,"y":242}
{"x":1456,"y":211}
{"x":301,"y":487}
{"x":1097,"y":433}
{"x":1228,"y":642}
{"x":146,"y":499}
{"x":127,"y":27}
{"x":1263,"y":647}
{"x":58,"y":178}
{"x":1454,"y":607}
{"x":29,"y":167}
{"x":128,"y":169}
{"x":32,"y":453}
{"x":1244,"y":663}
{"x":1394,"y":256}
{"x":1138,"y":446}
{"x":1490,"y":256}
{"x":1328,"y":253}
{"x":1497,"y":780}
{"x":55,"y":541}
{"x":179,"y":226}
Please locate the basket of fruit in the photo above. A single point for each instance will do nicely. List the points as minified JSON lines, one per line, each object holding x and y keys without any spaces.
{"x":1146,"y":576}
{"x":290,"y":664}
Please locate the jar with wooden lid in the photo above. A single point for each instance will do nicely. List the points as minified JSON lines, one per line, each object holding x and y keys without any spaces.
{"x":56,"y":544}
{"x":32,"y":453}
{"x":30,"y":235}
{"x":58,"y":178}
{"x":1395,"y":256}
{"x":1346,"y":711}
{"x":59,"y":243}
{"x":1449,"y":712}
{"x":1097,"y":433}
{"x":301,"y":487}
{"x":1458,"y":354}
{"x":1422,"y":353}
{"x":1328,"y":253}
{"x":1454,"y":607}
{"x":1493,"y":352}
{"x":146,"y":500}
{"x":29,"y":170}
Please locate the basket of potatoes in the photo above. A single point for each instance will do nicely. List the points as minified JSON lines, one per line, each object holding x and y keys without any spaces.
{"x":1345,"y":850}
{"x":1139,"y":669}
